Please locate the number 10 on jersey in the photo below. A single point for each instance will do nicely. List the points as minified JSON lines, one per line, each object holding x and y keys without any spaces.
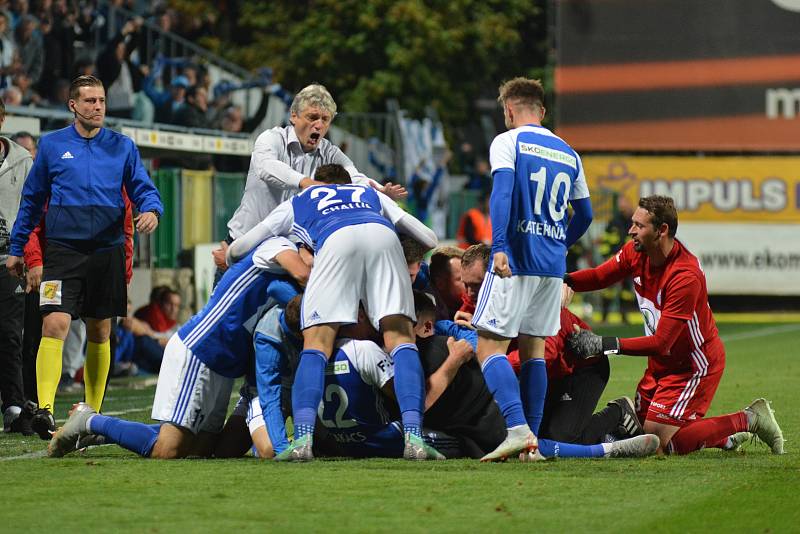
{"x":556,"y":207}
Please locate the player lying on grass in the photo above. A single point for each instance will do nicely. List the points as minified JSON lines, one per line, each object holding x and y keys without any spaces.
{"x":200,"y":364}
{"x":685,"y":356}
{"x":358,"y":258}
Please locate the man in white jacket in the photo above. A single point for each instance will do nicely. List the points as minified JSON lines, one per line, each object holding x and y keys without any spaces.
{"x":16,"y":162}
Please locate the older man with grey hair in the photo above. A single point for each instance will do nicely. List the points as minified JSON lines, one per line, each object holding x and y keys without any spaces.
{"x":284,"y":161}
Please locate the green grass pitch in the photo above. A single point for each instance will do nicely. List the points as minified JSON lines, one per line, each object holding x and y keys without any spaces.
{"x":110,"y":489}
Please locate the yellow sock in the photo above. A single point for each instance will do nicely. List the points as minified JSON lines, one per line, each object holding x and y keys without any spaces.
{"x":48,"y":371}
{"x":95,"y":372}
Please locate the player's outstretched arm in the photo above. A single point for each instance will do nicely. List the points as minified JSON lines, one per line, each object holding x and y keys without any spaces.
{"x":586,"y":344}
{"x":459,"y":353}
{"x":411,"y":226}
{"x":277,"y":223}
{"x":293,"y":263}
{"x":407,"y":224}
{"x":604,"y":275}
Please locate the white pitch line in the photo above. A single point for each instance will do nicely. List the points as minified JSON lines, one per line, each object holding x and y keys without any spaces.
{"x":119,"y":412}
{"x":28,"y":456}
{"x":761,"y":332}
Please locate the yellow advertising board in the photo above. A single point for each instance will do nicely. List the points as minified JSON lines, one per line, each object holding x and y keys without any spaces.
{"x":715,"y":189}
{"x":197,"y":203}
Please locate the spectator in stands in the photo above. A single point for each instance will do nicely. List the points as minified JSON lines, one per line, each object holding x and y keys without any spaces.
{"x":8,"y":58}
{"x":26,"y":141}
{"x":59,"y":95}
{"x":193,"y":113}
{"x":164,"y":19}
{"x":194,"y":27}
{"x":162,"y":311}
{"x":137,"y":346}
{"x":193,"y":74}
{"x":84,"y":66}
{"x":30,"y":48}
{"x":58,"y":100}
{"x":57,"y":37}
{"x":119,"y":75}
{"x":233,"y":121}
{"x":166,"y":103}
{"x":19,"y":10}
{"x":12,"y":96}
{"x":86,"y":23}
{"x":28,"y":96}
{"x":445,"y":275}
{"x":475,"y":227}
{"x":466,"y":158}
{"x":480,"y":179}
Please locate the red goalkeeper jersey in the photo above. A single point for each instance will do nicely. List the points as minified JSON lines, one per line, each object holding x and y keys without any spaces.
{"x":677,"y":290}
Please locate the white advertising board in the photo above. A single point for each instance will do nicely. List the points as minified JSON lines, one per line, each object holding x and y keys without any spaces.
{"x":746,"y":259}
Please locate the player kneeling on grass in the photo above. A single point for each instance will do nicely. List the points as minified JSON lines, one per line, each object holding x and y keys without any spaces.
{"x":685,"y":356}
{"x":201,"y":362}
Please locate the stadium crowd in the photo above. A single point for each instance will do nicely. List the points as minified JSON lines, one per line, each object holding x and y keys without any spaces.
{"x":146,"y":80}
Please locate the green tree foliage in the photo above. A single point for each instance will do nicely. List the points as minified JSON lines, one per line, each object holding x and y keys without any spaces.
{"x":443,"y":54}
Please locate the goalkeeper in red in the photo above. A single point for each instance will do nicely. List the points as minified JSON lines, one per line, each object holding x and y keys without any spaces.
{"x":686,"y":357}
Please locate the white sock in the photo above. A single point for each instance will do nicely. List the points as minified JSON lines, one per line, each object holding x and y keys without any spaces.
{"x":606,"y":449}
{"x":89,"y":424}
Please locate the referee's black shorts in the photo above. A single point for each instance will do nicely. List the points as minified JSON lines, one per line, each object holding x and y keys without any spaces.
{"x":84,"y":284}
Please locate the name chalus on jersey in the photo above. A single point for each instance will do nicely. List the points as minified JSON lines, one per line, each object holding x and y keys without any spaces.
{"x":525,"y":226}
{"x":346,"y":206}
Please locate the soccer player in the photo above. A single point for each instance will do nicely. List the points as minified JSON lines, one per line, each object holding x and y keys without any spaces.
{"x":200,"y":364}
{"x":82,"y":170}
{"x":685,"y":355}
{"x":574,"y":384}
{"x":258,"y":419}
{"x":285,"y":159}
{"x":536,"y":175}
{"x":358,"y":258}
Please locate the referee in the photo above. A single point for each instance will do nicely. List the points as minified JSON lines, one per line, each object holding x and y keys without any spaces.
{"x":81,"y":169}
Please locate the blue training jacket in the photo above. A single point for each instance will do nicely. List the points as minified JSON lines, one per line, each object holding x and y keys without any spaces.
{"x":83,"y":179}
